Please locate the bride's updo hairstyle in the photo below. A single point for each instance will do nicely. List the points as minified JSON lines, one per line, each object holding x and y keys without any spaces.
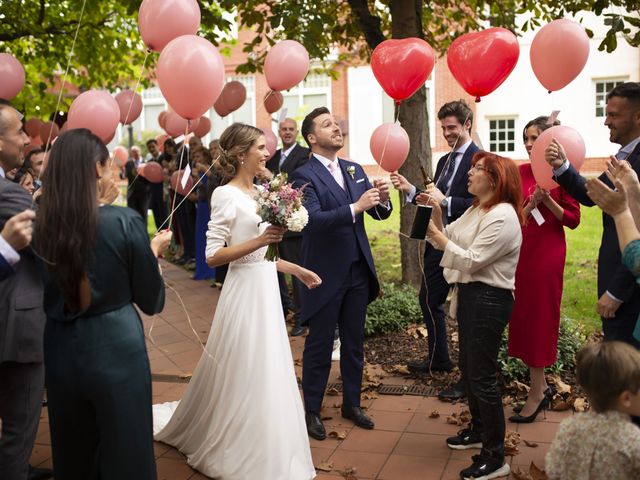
{"x":235,"y":140}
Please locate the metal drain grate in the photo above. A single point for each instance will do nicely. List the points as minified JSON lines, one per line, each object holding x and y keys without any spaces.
{"x":419,"y":390}
{"x":160,"y":377}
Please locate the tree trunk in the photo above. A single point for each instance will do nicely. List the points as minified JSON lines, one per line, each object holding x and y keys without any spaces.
{"x":407,"y":22}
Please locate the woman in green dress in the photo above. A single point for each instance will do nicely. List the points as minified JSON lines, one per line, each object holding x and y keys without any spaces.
{"x":99,"y":264}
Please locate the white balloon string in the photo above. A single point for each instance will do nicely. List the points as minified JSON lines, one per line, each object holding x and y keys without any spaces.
{"x":135,"y":91}
{"x":455,"y":145}
{"x":175,"y":191}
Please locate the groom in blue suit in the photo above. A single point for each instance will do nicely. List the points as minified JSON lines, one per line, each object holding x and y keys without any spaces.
{"x":336,"y":247}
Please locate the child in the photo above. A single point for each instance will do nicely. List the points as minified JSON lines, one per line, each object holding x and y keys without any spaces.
{"x":602,"y":443}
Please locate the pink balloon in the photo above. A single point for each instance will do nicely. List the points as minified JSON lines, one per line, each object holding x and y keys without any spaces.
{"x":32,"y":126}
{"x":176,"y":182}
{"x":162,"y":118}
{"x":96,"y":110}
{"x":120,"y":155}
{"x":273,"y":101}
{"x":175,"y":125}
{"x":48,"y":132}
{"x":63,"y":128}
{"x":272,"y":141}
{"x":389,"y":146}
{"x":141,"y":168}
{"x":191,"y":75}
{"x":203,"y":127}
{"x":221,"y":108}
{"x":130,"y":105}
{"x":559,"y":52}
{"x":153,"y":172}
{"x":573,"y":145}
{"x":36,"y":141}
{"x":107,"y":140}
{"x":233,"y":95}
{"x":160,"y":139}
{"x":160,"y":21}
{"x":286,"y":65}
{"x":11,"y":76}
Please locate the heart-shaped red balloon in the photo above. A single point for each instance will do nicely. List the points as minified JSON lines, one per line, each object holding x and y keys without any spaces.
{"x":481,"y":61}
{"x":402,"y":66}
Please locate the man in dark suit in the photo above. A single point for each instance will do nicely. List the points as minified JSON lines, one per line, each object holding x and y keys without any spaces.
{"x":456,"y":119}
{"x":336,"y":247}
{"x":619,"y":296}
{"x":137,"y":185}
{"x":21,"y":321}
{"x":287,"y":159}
{"x":15,"y":235}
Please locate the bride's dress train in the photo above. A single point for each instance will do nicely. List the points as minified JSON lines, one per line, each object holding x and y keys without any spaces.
{"x":241,"y":417}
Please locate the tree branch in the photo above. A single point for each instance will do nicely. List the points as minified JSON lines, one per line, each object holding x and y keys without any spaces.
{"x":58,"y":29}
{"x":369,"y":24}
{"x":41,"y":15}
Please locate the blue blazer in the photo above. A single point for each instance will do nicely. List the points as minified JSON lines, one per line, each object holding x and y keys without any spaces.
{"x":331,"y":237}
{"x":6,"y":270}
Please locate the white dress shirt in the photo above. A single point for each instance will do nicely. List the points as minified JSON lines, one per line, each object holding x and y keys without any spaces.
{"x":10,"y":255}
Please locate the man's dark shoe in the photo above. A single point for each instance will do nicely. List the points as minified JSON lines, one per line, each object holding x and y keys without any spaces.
{"x":298,"y":330}
{"x":425,"y":367}
{"x":315,"y":428}
{"x":485,"y":467}
{"x":36,"y":473}
{"x":465,"y":439}
{"x":456,"y":392}
{"x":357,"y":415}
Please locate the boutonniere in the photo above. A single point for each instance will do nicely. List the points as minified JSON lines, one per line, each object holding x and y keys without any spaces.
{"x":351,"y":170}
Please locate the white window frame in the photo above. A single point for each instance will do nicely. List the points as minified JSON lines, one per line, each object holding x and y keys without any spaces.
{"x":494,"y":145}
{"x":601,"y":97}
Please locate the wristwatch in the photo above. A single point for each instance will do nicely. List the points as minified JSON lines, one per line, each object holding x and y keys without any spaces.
{"x":444,"y":203}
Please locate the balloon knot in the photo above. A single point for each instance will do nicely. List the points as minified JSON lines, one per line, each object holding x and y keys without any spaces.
{"x":398,"y":103}
{"x":478,"y":99}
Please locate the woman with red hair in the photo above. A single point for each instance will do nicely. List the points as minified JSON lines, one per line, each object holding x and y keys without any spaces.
{"x":481,"y":251}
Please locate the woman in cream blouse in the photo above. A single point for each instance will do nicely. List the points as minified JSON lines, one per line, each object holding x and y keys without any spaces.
{"x":481,"y":252}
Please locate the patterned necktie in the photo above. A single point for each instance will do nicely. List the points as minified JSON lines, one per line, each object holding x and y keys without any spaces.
{"x":444,"y":180}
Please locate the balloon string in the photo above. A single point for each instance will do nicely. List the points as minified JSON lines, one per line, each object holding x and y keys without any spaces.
{"x":455,"y":145}
{"x":144,"y":64}
{"x":175,"y":191}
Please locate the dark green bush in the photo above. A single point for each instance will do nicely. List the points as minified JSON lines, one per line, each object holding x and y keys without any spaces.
{"x":569,"y":342}
{"x":395,"y":310}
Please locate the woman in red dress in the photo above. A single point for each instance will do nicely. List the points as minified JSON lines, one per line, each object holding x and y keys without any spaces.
{"x":535,"y":320}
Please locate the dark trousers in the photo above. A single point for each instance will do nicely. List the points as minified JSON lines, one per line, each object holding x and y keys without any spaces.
{"x":99,"y":392}
{"x":622,"y":325}
{"x":157,"y":204}
{"x":433,"y":294}
{"x":140,"y":203}
{"x":186,"y":219}
{"x":347,"y":310}
{"x":21,"y":391}
{"x":483,"y":313}
{"x":289,"y":250}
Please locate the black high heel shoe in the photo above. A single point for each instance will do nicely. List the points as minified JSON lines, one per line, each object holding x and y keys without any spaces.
{"x":544,"y":405}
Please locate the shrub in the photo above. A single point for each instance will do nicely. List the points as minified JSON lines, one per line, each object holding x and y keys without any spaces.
{"x":397,"y":308}
{"x":570,"y":340}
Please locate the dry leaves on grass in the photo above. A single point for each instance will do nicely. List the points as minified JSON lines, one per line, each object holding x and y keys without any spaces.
{"x":461,"y":418}
{"x":561,"y":387}
{"x":511,"y":442}
{"x":325,"y":466}
{"x":341,"y":435}
{"x":534,"y":473}
{"x":417,"y":331}
{"x":401,"y":369}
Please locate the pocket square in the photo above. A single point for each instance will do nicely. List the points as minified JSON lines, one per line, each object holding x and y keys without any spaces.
{"x":360,"y":181}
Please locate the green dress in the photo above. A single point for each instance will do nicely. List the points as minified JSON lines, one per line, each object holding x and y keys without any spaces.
{"x":631,"y":259}
{"x":97,"y":371}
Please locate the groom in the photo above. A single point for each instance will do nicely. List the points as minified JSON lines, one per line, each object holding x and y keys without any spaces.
{"x":335,"y":246}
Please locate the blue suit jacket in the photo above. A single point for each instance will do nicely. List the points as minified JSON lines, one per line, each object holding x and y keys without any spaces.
{"x":5,"y":269}
{"x":331,"y":236}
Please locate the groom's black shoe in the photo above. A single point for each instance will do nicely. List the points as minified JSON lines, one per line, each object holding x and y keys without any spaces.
{"x":315,"y":428}
{"x":36,"y":473}
{"x":357,"y":415}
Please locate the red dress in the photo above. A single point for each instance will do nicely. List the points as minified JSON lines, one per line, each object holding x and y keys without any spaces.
{"x":535,"y":320}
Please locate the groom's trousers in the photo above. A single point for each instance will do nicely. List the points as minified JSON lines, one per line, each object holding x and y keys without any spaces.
{"x":347,"y":310}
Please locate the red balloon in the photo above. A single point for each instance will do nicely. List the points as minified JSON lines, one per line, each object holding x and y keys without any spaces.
{"x":389,"y":146}
{"x":32,"y":127}
{"x":273,"y":101}
{"x":48,"y":132}
{"x":130,"y":105}
{"x":203,"y":127}
{"x":481,"y":61}
{"x":402,"y":66}
{"x":272,"y":141}
{"x":153,"y":172}
{"x":176,"y":182}
{"x":233,"y":95}
{"x":120,"y":155}
{"x":11,"y":76}
{"x":160,"y":21}
{"x":96,"y":110}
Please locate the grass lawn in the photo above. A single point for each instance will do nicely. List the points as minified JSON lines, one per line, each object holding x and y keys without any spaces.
{"x":579,"y":298}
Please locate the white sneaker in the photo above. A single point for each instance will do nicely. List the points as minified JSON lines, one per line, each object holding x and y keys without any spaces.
{"x":335,"y":355}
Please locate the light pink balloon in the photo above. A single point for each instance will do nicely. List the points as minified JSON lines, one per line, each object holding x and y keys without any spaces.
{"x":162,"y":117}
{"x":273,"y":101}
{"x":141,"y":168}
{"x":272,"y":141}
{"x":120,"y":155}
{"x":389,"y":146}
{"x":11,"y":76}
{"x":573,"y":145}
{"x":48,"y":132}
{"x":203,"y":127}
{"x":233,"y":95}
{"x":160,"y":21}
{"x":176,"y":182}
{"x":559,"y":52}
{"x":153,"y":172}
{"x":161,"y":139}
{"x":175,"y":125}
{"x":130,"y":105}
{"x":191,"y":75}
{"x":96,"y":110}
{"x":286,"y":65}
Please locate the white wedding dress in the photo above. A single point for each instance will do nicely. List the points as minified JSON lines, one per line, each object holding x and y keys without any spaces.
{"x":241,"y":417}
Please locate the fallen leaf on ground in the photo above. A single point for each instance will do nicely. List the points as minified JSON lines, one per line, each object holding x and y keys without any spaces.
{"x":348,"y":473}
{"x":333,"y":392}
{"x":529,"y":444}
{"x":434,"y":414}
{"x":561,"y":387}
{"x":537,"y":473}
{"x":511,"y":442}
{"x":401,"y":369}
{"x":580,"y":404}
{"x":325,"y":466}
{"x":520,"y":474}
{"x":338,"y":435}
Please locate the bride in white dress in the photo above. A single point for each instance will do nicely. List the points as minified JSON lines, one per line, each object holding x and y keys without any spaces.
{"x":241,"y":417}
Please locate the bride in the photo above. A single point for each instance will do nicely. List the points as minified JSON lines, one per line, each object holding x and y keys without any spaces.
{"x":241,"y":416}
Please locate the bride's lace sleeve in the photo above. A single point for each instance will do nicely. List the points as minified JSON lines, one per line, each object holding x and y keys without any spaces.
{"x":223,"y":211}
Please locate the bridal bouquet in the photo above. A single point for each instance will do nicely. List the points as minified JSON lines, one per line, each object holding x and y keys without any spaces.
{"x":280,"y":204}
